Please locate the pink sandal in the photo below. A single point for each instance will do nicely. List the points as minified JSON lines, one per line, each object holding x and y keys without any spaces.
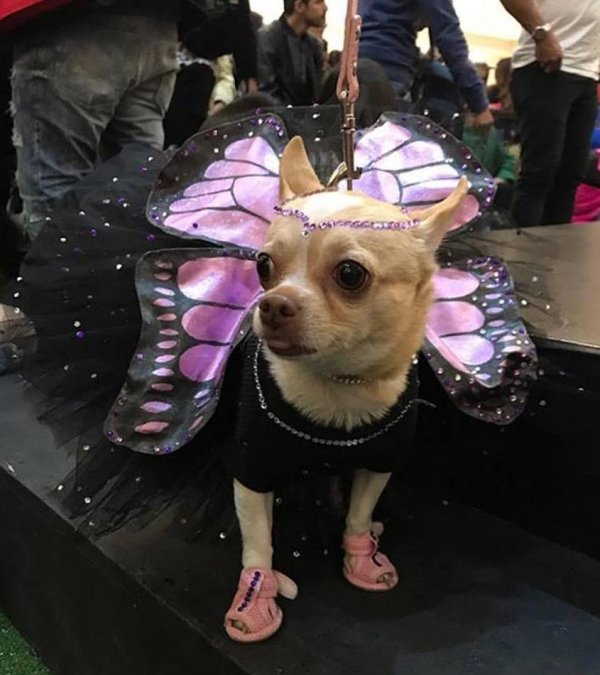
{"x":369,"y":564}
{"x":254,"y":604}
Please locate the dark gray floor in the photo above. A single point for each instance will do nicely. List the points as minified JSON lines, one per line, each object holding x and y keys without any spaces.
{"x":477,"y":595}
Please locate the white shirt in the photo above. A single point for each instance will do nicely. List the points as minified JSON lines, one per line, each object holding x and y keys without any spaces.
{"x":576,"y":24}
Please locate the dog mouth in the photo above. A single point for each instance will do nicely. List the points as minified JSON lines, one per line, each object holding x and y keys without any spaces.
{"x":281,"y":347}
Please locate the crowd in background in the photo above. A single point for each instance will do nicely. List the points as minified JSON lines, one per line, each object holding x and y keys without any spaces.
{"x":93,"y":76}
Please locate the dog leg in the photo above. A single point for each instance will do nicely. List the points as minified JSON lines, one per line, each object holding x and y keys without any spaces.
{"x":255,"y":514}
{"x":366,"y":491}
{"x":364,"y":566}
{"x":254,"y":614}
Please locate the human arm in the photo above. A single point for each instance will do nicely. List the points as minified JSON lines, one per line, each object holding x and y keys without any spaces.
{"x":483,"y":121}
{"x":449,"y":39}
{"x":319,"y":55}
{"x":249,"y":86}
{"x":548,"y":51}
{"x":224,"y":90}
{"x":245,"y":50}
{"x":267,"y":70}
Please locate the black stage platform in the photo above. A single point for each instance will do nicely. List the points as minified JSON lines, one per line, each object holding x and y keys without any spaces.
{"x":543,"y":471}
{"x":477,"y":595}
{"x":555,"y":269}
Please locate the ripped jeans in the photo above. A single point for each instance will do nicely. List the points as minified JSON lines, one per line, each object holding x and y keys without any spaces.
{"x":83,"y":88}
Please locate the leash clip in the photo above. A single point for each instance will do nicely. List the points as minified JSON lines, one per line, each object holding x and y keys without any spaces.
{"x":348,"y":90}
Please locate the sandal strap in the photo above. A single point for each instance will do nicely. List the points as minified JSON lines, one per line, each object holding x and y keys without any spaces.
{"x":254,"y":606}
{"x":363,"y":545}
{"x":256,"y":583}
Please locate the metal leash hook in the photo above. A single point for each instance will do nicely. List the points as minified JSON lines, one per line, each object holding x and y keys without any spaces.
{"x":347,"y":91}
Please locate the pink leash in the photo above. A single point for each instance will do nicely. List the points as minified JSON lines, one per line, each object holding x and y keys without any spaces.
{"x":348,"y":89}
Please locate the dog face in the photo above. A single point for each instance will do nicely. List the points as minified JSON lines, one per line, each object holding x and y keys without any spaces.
{"x":342,"y":299}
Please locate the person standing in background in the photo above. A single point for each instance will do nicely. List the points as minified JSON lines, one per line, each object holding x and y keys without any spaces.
{"x":217,"y":60}
{"x":290,"y":60}
{"x":87,"y":80}
{"x":389,"y":35}
{"x":483,"y":70}
{"x":499,"y":93}
{"x":555,"y":71}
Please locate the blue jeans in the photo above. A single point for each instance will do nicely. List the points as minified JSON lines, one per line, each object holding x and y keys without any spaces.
{"x":82,"y":89}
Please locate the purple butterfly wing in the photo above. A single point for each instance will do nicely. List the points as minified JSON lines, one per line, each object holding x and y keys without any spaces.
{"x":195,"y":309}
{"x":222,"y":184}
{"x":409,"y":160}
{"x":476,"y":342}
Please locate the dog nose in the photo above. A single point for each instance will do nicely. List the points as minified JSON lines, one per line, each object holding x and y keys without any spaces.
{"x":277,"y":309}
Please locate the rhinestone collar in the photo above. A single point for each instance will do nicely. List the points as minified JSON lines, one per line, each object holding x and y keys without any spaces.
{"x":313,"y":439}
{"x":348,"y":379}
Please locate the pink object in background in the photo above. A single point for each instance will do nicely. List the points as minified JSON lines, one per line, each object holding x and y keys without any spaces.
{"x":587,"y":204}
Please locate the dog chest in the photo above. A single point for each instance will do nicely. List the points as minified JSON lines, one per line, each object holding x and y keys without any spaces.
{"x":274,"y":442}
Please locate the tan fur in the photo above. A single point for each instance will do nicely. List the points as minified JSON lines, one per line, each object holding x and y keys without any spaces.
{"x":371,"y":334}
{"x":300,"y":176}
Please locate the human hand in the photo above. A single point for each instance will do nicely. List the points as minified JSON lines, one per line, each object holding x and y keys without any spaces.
{"x":249,"y":86}
{"x":549,"y":53}
{"x":482,"y":122}
{"x":214,"y":107}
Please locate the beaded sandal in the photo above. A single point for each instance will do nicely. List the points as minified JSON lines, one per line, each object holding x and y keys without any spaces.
{"x":368,"y":564}
{"x":254,"y":615}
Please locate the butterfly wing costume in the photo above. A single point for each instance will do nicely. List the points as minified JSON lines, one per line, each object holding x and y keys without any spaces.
{"x":222,"y":188}
{"x":141,"y":317}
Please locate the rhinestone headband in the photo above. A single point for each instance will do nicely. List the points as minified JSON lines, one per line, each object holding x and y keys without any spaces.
{"x":308,"y":227}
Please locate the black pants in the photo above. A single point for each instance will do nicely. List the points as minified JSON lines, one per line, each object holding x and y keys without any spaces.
{"x":189,"y":104}
{"x":557,"y":113}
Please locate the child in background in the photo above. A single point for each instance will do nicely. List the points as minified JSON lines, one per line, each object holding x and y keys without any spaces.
{"x":499,"y":93}
{"x":495,"y":157}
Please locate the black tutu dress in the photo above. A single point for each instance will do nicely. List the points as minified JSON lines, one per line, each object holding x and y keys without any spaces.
{"x":139,"y":291}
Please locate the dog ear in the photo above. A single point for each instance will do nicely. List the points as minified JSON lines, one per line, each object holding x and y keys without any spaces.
{"x":296,"y":175}
{"x":437,"y":220}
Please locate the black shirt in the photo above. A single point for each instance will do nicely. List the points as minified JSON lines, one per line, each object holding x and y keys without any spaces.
{"x":273,"y":441}
{"x":290,"y":66}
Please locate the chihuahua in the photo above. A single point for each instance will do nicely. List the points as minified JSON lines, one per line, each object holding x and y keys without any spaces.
{"x":348,"y":285}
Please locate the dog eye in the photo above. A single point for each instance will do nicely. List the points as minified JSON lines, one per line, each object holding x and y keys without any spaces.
{"x":350,"y":276}
{"x":264,"y":267}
